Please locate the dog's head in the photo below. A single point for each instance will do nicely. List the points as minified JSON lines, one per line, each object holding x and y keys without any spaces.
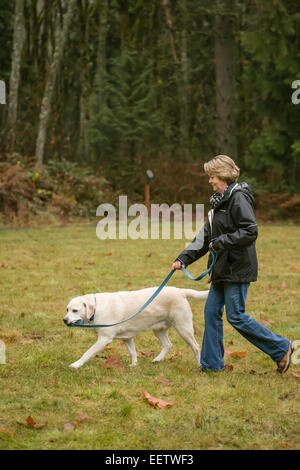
{"x":79,"y":308}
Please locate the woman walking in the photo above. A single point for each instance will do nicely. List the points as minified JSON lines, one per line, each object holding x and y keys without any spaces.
{"x":231,"y":231}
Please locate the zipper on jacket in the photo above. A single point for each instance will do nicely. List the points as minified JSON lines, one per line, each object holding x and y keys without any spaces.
{"x":210,"y":218}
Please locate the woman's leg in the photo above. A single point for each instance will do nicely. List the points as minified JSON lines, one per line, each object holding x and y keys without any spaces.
{"x":274,"y":345}
{"x":212,"y":352}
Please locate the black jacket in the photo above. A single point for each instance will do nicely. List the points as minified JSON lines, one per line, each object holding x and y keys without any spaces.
{"x":232,"y":228}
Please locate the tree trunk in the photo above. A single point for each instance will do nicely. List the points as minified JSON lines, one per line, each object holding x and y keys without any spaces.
{"x":226,"y":141}
{"x":183,"y":85}
{"x":83,"y":149}
{"x":18,"y":41}
{"x":169,"y":21}
{"x":61,"y":37}
{"x":181,"y":74}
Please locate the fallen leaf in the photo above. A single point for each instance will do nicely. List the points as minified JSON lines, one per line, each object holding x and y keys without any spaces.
{"x":267,"y":322}
{"x":108,"y":254}
{"x":12,"y":361}
{"x":164,"y":381}
{"x":3,"y":265}
{"x":287,"y":444}
{"x":129,"y":275}
{"x":294,"y":269}
{"x":27,"y":341}
{"x":283,"y":284}
{"x":146,"y":353}
{"x":70,"y":426}
{"x":286,"y":395}
{"x":175,"y":356}
{"x":31,"y":423}
{"x":156,"y":402}
{"x":227,"y":353}
{"x":7,"y":431}
{"x":238,"y":354}
{"x":228,"y":368}
{"x":148,"y":255}
{"x":113,"y":361}
{"x":82,"y":417}
{"x":296,"y":374}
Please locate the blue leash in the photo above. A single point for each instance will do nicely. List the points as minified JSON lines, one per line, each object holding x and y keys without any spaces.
{"x":81,"y":324}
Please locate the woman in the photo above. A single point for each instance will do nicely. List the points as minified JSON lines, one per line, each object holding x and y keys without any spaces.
{"x":231,"y":231}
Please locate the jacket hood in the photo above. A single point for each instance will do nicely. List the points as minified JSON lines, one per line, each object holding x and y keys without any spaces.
{"x":217,"y":199}
{"x":247,"y":190}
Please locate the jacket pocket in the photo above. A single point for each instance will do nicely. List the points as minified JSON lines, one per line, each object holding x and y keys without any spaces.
{"x":238,"y":260}
{"x":222,"y":267}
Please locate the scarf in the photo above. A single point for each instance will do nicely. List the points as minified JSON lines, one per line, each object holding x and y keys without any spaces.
{"x":217,"y":198}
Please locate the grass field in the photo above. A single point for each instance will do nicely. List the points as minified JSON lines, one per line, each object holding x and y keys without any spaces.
{"x":99,"y":406}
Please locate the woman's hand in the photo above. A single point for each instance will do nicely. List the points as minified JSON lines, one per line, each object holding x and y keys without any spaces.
{"x":211,"y":247}
{"x":177,"y":265}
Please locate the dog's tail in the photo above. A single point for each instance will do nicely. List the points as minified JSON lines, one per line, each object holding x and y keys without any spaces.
{"x":196,"y":294}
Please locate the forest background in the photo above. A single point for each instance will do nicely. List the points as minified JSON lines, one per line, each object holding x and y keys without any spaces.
{"x":99,"y":91}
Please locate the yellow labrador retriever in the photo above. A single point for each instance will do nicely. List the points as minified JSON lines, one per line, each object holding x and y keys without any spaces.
{"x":169,"y":308}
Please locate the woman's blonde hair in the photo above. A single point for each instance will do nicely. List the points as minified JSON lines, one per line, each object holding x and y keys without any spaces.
{"x":223,"y":167}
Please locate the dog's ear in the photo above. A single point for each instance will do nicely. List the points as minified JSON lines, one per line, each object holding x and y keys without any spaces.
{"x":89,"y":307}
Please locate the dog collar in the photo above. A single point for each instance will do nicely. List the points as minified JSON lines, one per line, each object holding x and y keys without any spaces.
{"x":92,"y":317}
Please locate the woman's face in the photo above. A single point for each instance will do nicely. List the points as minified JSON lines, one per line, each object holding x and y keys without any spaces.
{"x":217,"y":184}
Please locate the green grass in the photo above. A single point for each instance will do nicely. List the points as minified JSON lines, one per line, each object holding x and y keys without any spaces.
{"x":250,"y":407}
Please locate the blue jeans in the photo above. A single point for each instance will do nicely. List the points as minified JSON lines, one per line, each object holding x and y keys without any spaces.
{"x":233,"y":297}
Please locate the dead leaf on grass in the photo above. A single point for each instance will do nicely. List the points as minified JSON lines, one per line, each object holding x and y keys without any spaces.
{"x":70,"y":426}
{"x":27,"y":341}
{"x":228,"y":367}
{"x":267,"y":322}
{"x":32,"y":424}
{"x":284,"y":396}
{"x":156,"y":402}
{"x":234,"y":353}
{"x":296,"y":374}
{"x":83,"y":417}
{"x":7,"y":431}
{"x":164,"y":381}
{"x":146,"y":353}
{"x":129,"y":275}
{"x":113,"y":361}
{"x":227,"y":353}
{"x":175,"y":356}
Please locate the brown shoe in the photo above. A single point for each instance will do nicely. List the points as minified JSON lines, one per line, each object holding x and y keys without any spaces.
{"x":284,"y":363}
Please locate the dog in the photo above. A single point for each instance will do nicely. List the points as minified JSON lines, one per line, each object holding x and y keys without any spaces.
{"x":169,"y":308}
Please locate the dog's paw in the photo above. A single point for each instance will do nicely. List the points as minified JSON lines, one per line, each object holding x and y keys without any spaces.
{"x":75,"y":365}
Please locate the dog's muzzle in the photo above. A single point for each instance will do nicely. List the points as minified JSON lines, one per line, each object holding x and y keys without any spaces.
{"x":74,"y":323}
